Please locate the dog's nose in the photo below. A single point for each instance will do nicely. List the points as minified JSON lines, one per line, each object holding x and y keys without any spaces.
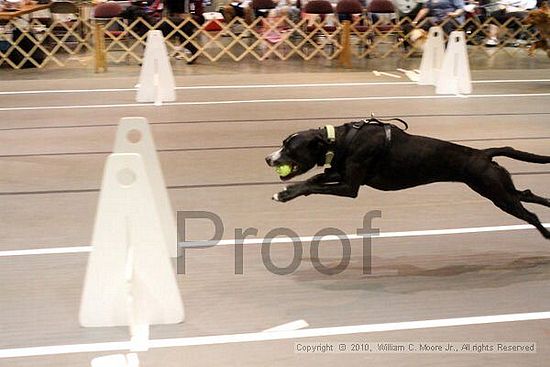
{"x":273,"y":157}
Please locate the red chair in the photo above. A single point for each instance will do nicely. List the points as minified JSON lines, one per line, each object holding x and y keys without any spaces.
{"x":351,"y":10}
{"x":107,"y":10}
{"x":104,"y":13}
{"x":347,"y":8}
{"x":318,"y":9}
{"x":382,"y":14}
{"x":319,"y":12}
{"x":114,"y":32}
{"x":381,"y":8}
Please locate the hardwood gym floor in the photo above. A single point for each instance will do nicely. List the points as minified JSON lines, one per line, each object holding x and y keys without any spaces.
{"x":212,"y":145}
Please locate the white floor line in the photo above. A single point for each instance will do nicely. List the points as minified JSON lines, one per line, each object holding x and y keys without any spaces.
{"x":258,"y":86}
{"x":66,"y":91}
{"x":274,"y":335}
{"x":46,"y":251}
{"x":289,"y":326}
{"x":282,"y":100}
{"x":258,"y":241}
{"x":389,"y":74}
{"x":421,"y":233}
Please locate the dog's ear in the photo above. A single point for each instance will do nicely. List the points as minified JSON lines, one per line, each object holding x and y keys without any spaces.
{"x":318,"y":146}
{"x":318,"y":140}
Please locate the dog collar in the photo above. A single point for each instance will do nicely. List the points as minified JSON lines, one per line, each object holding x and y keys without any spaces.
{"x":331,"y":137}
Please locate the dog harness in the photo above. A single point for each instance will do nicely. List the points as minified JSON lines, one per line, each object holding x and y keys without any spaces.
{"x":331,"y":137}
{"x":355,"y":127}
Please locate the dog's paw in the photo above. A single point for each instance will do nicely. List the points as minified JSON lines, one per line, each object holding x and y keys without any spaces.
{"x":283,"y":196}
{"x":276,"y":196}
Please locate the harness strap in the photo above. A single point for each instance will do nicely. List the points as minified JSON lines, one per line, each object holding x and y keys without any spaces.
{"x":387,"y":142}
{"x":355,"y":127}
{"x":379,"y":121}
{"x":331,"y":137}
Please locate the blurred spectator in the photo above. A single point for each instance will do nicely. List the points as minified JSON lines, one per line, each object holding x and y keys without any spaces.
{"x":177,"y":11}
{"x":289,"y":8}
{"x":447,"y":13}
{"x":502,"y":11}
{"x":241,"y":9}
{"x":180,"y":9}
{"x":408,"y":8}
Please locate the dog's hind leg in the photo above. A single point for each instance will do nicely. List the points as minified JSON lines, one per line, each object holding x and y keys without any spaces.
{"x":517,"y":210}
{"x":496,"y":185}
{"x":528,"y":197}
{"x":511,"y":204}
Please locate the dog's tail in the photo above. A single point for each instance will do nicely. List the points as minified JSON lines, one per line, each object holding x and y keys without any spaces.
{"x":516,"y":154}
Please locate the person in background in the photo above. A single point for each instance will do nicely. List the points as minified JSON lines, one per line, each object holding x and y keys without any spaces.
{"x":408,"y":8}
{"x":177,"y":11}
{"x":406,"y":11}
{"x":502,"y":11}
{"x":288,"y":8}
{"x":241,"y":9}
{"x":438,"y":12}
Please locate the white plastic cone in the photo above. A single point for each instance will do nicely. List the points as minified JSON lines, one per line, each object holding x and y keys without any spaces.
{"x":156,"y":80}
{"x":454,"y":77}
{"x":129,"y":279}
{"x":432,"y":57}
{"x":134,"y":136}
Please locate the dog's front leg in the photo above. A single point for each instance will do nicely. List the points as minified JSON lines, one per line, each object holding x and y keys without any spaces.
{"x":347,"y":187}
{"x":328,"y":176}
{"x":293,"y":191}
{"x":304,"y":189}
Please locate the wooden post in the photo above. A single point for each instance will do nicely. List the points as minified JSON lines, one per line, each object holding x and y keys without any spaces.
{"x":345,"y":54}
{"x":99,"y":49}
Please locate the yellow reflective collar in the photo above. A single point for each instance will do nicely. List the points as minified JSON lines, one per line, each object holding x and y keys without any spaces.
{"x":331,"y":136}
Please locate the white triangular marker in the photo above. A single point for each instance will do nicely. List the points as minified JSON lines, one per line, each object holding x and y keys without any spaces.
{"x":156,"y":80}
{"x":454,"y":77}
{"x":129,"y":279}
{"x":432,"y":57}
{"x":134,"y":136}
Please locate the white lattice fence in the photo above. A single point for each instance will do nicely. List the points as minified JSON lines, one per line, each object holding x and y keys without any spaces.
{"x":37,"y":45}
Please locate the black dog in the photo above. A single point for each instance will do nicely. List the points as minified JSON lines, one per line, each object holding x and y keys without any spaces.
{"x":383,"y":156}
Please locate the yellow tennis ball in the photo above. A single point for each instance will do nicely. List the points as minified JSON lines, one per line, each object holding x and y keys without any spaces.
{"x":283,"y":170}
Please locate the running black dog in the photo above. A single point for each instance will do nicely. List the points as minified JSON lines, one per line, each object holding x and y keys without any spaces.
{"x":383,"y":156}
